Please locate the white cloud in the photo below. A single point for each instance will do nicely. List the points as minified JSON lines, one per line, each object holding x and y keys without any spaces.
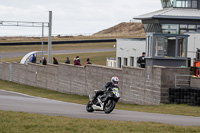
{"x":77,"y":16}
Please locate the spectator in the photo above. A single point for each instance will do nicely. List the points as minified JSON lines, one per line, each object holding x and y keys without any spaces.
{"x":44,"y":61}
{"x":33,"y":59}
{"x":76,"y":62}
{"x":142,"y":60}
{"x":67,"y":61}
{"x":55,"y":61}
{"x":88,"y":61}
{"x":77,"y":57}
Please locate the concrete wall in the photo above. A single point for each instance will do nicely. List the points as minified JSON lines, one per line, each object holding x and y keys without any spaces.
{"x":4,"y":71}
{"x":195,"y":82}
{"x":98,"y":76}
{"x":19,"y":73}
{"x":133,"y":90}
{"x":168,"y":80}
{"x":71,"y":79}
{"x":137,"y":85}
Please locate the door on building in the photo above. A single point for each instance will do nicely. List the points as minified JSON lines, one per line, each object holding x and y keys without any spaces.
{"x":119,"y":62}
{"x":125,"y":61}
{"x":131,"y":61}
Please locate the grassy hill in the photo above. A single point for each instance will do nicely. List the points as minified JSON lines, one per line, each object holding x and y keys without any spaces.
{"x":122,"y":30}
{"x":130,"y":29}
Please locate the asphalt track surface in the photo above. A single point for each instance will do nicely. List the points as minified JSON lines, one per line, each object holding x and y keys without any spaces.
{"x":17,"y":54}
{"x":11,"y":101}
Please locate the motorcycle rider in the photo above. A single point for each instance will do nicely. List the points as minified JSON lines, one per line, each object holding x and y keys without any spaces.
{"x":107,"y":86}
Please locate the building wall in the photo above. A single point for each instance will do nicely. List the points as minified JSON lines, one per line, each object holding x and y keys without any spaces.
{"x":127,"y":48}
{"x":137,"y":85}
{"x":193,"y":44}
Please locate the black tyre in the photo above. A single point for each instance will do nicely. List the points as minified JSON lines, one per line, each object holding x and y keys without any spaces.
{"x":109,"y":106}
{"x":89,"y":107}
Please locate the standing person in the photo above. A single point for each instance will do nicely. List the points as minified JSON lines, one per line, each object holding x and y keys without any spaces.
{"x":142,"y":60}
{"x":76,"y":62}
{"x":33,"y":60}
{"x":196,"y":67}
{"x":77,"y":57}
{"x":55,"y":61}
{"x":44,"y":62}
{"x":88,"y":61}
{"x":67,"y":61}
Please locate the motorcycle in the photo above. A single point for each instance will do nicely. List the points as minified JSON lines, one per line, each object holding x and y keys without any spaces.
{"x":105,"y":102}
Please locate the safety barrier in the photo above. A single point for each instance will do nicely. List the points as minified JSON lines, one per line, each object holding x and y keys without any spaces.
{"x":148,"y":86}
{"x":186,"y":95}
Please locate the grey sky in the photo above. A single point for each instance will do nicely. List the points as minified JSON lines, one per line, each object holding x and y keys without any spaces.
{"x":72,"y":16}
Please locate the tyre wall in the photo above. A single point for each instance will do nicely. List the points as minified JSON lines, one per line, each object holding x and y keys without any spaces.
{"x":185,"y":95}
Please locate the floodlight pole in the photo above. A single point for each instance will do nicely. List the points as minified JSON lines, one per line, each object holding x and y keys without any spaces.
{"x":42,"y":41}
{"x":49,"y":39}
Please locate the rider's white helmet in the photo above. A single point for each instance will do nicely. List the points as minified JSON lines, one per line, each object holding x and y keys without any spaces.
{"x":115,"y":80}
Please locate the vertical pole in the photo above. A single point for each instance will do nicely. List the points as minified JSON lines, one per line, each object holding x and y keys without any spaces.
{"x":49,"y":39}
{"x":10,"y":72}
{"x":42,"y":42}
{"x":194,"y":48}
{"x":121,"y":60}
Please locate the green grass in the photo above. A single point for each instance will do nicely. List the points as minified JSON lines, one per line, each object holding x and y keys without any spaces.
{"x":27,"y":48}
{"x":19,"y":122}
{"x":34,"y":91}
{"x":163,"y":109}
{"x":63,"y":38}
{"x":98,"y":58}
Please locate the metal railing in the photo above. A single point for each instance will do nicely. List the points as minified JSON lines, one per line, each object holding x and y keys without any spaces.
{"x":182,"y":80}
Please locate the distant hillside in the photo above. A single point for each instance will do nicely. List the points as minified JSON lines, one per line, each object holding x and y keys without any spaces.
{"x":124,"y":29}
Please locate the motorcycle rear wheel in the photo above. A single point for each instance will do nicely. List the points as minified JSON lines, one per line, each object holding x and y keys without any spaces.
{"x":109,"y":106}
{"x":89,"y":107}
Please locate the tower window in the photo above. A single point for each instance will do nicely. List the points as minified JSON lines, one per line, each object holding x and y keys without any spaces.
{"x":179,"y":3}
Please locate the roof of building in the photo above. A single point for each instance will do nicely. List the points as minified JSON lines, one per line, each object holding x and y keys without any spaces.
{"x":172,"y":13}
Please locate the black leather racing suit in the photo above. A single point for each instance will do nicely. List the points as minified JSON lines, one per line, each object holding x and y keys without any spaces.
{"x":106,"y":87}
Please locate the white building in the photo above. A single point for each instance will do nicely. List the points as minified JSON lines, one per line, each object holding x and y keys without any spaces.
{"x":193,"y":44}
{"x":128,"y":51}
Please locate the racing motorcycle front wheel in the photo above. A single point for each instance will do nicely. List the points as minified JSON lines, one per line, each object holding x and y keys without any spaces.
{"x":89,"y":107}
{"x":109,"y":106}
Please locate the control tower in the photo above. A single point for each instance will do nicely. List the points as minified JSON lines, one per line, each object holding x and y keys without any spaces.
{"x":167,"y":29}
